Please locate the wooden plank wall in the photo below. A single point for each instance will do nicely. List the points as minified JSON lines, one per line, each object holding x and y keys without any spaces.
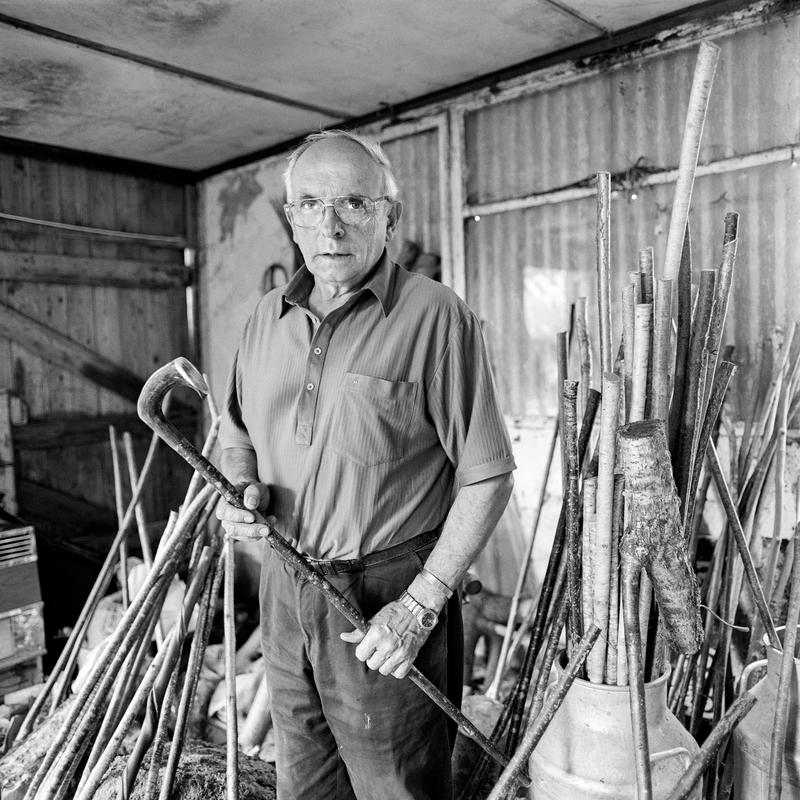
{"x":123,"y":300}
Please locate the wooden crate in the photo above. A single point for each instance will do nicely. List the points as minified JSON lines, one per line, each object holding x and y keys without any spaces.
{"x":20,"y":676}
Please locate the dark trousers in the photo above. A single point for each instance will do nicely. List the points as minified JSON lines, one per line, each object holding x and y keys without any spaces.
{"x":343,"y":731}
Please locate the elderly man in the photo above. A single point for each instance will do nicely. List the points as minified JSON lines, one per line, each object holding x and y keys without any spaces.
{"x":361,"y":415}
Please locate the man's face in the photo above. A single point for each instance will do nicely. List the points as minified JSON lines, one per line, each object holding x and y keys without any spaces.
{"x":336,"y":253}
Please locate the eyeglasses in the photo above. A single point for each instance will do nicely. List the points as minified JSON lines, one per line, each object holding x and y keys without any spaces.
{"x":352,"y":209}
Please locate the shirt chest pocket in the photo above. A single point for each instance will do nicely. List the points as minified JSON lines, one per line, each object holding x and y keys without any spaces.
{"x":373,"y":419}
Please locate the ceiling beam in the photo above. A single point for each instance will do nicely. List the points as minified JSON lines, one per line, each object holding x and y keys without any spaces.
{"x":163,"y":66}
{"x":571,"y":12}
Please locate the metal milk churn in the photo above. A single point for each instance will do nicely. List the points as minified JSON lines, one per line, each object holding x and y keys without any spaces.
{"x":587,"y":750}
{"x":752,"y":736}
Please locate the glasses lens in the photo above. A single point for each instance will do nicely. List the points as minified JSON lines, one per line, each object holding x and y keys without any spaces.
{"x":308,"y":213}
{"x":352,"y":209}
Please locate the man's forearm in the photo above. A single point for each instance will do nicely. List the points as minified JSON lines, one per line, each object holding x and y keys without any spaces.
{"x":239,"y":465}
{"x":472,"y":518}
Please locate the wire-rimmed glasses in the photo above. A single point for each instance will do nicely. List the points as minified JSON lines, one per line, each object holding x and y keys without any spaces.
{"x":352,"y":209}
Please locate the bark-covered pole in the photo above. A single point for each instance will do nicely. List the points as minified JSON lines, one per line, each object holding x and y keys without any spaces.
{"x":609,"y":422}
{"x":603,"y":242}
{"x":785,"y":685}
{"x":631,"y":569}
{"x":654,"y":532}
{"x":660,"y":396}
{"x":572,"y":500}
{"x":584,"y":349}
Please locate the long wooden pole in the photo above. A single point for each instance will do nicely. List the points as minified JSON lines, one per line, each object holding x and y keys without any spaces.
{"x":603,"y":246}
{"x":703,"y":79}
{"x":119,"y":504}
{"x":609,"y":421}
{"x":785,"y":685}
{"x":631,"y":569}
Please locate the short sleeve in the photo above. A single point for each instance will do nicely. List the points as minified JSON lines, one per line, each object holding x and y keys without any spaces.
{"x":462,"y":401}
{"x":232,"y":430}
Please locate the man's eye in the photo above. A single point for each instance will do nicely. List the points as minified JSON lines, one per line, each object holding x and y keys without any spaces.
{"x":355,"y":203}
{"x":308,"y":205}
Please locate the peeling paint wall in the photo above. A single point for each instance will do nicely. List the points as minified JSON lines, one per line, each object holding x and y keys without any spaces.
{"x":242,"y":233}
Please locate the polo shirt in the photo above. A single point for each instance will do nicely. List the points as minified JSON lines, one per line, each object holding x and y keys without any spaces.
{"x":366,"y":422}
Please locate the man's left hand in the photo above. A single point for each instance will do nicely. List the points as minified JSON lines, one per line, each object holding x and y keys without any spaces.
{"x":392,"y":641}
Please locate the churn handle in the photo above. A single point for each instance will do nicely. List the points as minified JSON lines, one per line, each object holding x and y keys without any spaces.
{"x":746,"y":673}
{"x":674,"y":752}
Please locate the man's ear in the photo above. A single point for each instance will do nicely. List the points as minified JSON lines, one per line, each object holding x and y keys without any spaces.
{"x":393,"y":219}
{"x":287,"y":213}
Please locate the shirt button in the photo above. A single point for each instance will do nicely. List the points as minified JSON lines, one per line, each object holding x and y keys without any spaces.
{"x":317,"y":351}
{"x":310,"y":386}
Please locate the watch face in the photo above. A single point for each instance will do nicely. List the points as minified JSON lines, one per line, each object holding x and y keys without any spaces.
{"x":427,"y":619}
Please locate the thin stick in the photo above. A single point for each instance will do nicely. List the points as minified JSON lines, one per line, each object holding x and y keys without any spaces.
{"x":584,"y":349}
{"x":780,"y":479}
{"x":119,"y":503}
{"x":57,"y":682}
{"x":711,"y":746}
{"x":629,"y":341}
{"x":776,"y":600}
{"x":631,"y":568}
{"x":744,"y":551}
{"x":199,"y":644}
{"x":705,"y":68}
{"x":694,"y":381}
{"x":149,"y":693}
{"x":141,"y":523}
{"x":231,"y":722}
{"x":587,"y":551}
{"x":549,"y":657}
{"x":105,"y":669}
{"x":724,"y":281}
{"x":609,"y":421}
{"x":613,"y":605}
{"x":562,"y":361}
{"x":785,"y":685}
{"x":512,"y":773}
{"x":494,"y":688}
{"x":683,"y":298}
{"x":570,"y":438}
{"x":724,"y":375}
{"x":643,"y":315}
{"x":660,"y":394}
{"x":603,"y":240}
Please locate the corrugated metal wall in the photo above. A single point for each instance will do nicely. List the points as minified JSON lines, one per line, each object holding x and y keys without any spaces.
{"x":415,"y":163}
{"x":525,"y":267}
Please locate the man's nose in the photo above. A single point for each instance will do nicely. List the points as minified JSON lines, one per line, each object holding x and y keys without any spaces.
{"x":331,"y":224}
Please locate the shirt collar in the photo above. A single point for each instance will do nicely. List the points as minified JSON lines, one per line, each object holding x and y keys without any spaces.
{"x":380,"y":282}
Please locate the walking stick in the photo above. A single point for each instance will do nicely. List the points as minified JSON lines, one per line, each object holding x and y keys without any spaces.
{"x":180,"y":372}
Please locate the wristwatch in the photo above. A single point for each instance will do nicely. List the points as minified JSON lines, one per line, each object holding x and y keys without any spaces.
{"x":425,"y":616}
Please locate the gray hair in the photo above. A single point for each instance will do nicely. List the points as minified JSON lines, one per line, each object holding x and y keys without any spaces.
{"x":370,"y":146}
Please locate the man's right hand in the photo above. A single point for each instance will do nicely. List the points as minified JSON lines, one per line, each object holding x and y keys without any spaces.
{"x":246,"y":524}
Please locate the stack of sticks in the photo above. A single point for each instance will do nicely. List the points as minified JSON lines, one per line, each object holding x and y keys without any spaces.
{"x":631,"y":513}
{"x":702,"y":684}
{"x":125,"y":685}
